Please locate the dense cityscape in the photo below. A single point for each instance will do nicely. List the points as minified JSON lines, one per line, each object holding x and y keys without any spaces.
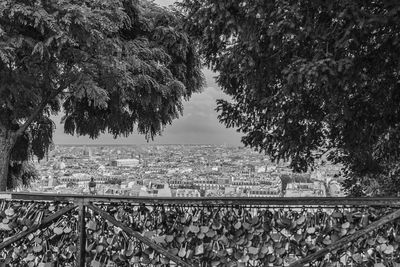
{"x":178,"y":171}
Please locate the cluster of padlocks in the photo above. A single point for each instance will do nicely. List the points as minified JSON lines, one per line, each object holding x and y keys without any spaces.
{"x":241,"y":236}
{"x":54,"y":243}
{"x":199,"y":235}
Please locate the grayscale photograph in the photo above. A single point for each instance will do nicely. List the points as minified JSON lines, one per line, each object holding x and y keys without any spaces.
{"x":204,"y":133}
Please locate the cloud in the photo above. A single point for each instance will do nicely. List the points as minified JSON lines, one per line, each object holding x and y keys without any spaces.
{"x":165,"y":2}
{"x":198,"y":125}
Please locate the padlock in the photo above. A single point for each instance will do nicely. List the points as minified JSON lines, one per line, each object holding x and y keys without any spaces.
{"x":182,"y":250}
{"x":89,"y":245}
{"x":199,"y":249}
{"x":164,"y":260}
{"x":189,"y":253}
{"x":130,"y":249}
{"x":91,"y":225}
{"x":221,"y":253}
{"x":38,"y":218}
{"x":96,"y":261}
{"x":173,"y":251}
{"x":169,"y":238}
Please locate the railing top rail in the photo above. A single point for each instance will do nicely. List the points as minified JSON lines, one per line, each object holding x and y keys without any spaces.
{"x":251,"y":201}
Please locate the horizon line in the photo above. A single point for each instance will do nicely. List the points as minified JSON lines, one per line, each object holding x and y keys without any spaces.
{"x":204,"y":144}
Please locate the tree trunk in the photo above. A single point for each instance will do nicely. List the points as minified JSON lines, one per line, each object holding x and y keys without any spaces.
{"x":7,"y":141}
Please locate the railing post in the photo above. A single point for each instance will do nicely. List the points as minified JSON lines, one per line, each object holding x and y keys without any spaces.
{"x":81,"y":257}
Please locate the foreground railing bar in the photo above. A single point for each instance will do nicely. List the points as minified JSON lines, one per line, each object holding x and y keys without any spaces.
{"x":34,"y":228}
{"x":138,"y":236}
{"x":342,"y":243}
{"x":80,"y":260}
{"x":270,"y":201}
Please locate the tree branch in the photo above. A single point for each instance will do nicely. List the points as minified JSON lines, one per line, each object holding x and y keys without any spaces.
{"x":37,"y":111}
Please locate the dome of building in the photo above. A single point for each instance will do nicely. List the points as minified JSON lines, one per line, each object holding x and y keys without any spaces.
{"x":59,"y":166}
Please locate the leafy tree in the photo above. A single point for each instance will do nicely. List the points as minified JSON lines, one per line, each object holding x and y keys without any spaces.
{"x":308,"y":78}
{"x":110,"y":66}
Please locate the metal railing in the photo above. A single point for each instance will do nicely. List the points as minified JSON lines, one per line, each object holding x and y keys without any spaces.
{"x":86,"y":230}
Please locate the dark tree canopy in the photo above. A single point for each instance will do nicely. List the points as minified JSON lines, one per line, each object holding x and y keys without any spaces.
{"x":110,"y":66}
{"x":308,"y":78}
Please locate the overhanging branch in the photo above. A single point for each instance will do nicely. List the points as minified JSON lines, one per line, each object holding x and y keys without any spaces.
{"x":37,"y":111}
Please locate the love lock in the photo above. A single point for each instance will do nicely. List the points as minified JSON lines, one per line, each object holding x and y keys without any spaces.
{"x":130,"y":249}
{"x":38,"y":218}
{"x":194,"y":229}
{"x":98,"y":261}
{"x":216,"y":225}
{"x":189,"y":253}
{"x":337,"y":214}
{"x":9,"y":212}
{"x":237,"y":225}
{"x":145,"y":260}
{"x":89,"y":246}
{"x":180,"y":239}
{"x":244,"y":258}
{"x":91,"y":225}
{"x":199,"y":249}
{"x":169,"y":238}
{"x":301,"y":220}
{"x":327,"y":241}
{"x":67,"y":229}
{"x":159,"y":239}
{"x":37,"y":248}
{"x":164,"y":260}
{"x":173,"y":251}
{"x":246,"y":225}
{"x":280,"y":251}
{"x":99,"y":248}
{"x":5,"y":227}
{"x":182,"y":250}
{"x":223,"y":240}
{"x":211,"y":233}
{"x":111,"y":240}
{"x":276,"y":237}
{"x":186,"y":230}
{"x":135,"y":260}
{"x":30,"y":257}
{"x":278,"y":261}
{"x":204,"y":229}
{"x":148,"y":251}
{"x":58,"y":230}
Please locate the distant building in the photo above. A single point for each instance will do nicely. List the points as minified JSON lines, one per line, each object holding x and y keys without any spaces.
{"x":101,"y":168}
{"x":51,"y":181}
{"x":258,"y":191}
{"x":244,"y":183}
{"x":79,"y":178}
{"x":177,"y":183}
{"x":261,"y":169}
{"x":187,"y":193}
{"x":305,"y":190}
{"x":87,"y":152}
{"x":155,"y":190}
{"x":206,"y":184}
{"x":335,"y":189}
{"x":59,"y":166}
{"x":125,"y":162}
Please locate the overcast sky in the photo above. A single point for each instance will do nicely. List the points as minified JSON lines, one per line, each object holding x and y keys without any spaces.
{"x":198,"y":125}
